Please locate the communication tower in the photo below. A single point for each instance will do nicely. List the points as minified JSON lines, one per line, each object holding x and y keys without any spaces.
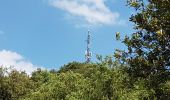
{"x":88,"y":53}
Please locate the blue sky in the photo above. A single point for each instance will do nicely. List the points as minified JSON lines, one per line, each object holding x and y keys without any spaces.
{"x":51,"y":33}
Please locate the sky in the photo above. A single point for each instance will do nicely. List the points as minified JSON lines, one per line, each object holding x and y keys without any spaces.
{"x":50,"y":33}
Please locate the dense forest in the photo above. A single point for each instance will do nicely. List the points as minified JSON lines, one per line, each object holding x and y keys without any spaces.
{"x":142,"y":72}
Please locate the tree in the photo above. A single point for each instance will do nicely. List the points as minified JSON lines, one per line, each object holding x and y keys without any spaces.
{"x":148,"y":54}
{"x":5,"y":94}
{"x":20,"y":84}
{"x":14,"y":85}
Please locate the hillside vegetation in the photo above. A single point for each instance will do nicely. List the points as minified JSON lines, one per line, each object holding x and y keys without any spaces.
{"x":79,"y":81}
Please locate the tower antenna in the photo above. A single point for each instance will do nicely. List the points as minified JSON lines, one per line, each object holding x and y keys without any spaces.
{"x":88,"y":52}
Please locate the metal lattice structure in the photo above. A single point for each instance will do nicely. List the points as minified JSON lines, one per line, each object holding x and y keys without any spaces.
{"x":88,"y":53}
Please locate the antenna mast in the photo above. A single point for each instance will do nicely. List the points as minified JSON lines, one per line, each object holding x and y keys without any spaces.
{"x":88,"y":53}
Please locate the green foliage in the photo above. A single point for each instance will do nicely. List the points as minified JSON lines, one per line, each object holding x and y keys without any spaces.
{"x":75,"y":81}
{"x":117,"y":35}
{"x":19,"y":84}
{"x":4,"y":89}
{"x":149,"y":47}
{"x":14,"y":85}
{"x":105,"y":80}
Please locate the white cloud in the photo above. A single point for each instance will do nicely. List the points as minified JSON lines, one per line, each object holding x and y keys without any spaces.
{"x":17,"y":61}
{"x":92,"y":11}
